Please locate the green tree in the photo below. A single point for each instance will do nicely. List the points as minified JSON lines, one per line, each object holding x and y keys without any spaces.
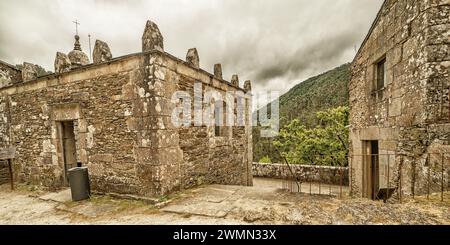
{"x":265,"y":159}
{"x":325,"y":144}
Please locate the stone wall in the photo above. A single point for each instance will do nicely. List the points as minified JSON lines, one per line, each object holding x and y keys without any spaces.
{"x":121,"y":110}
{"x":412,"y":36}
{"x":4,"y":172}
{"x":98,"y":99}
{"x":195,"y":155}
{"x":306,"y":173}
{"x":124,"y":135}
{"x":9,"y":74}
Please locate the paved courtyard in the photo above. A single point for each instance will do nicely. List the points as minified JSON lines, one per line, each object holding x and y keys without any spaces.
{"x":264,"y":203}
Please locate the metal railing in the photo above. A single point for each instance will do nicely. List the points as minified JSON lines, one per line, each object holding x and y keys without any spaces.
{"x":307,"y":184}
{"x":299,"y":184}
{"x":393,"y":176}
{"x":400,"y":174}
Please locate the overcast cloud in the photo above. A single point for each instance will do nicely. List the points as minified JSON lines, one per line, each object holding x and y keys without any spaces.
{"x":274,"y":43}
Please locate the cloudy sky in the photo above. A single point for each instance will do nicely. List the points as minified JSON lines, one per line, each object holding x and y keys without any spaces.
{"x":274,"y":43}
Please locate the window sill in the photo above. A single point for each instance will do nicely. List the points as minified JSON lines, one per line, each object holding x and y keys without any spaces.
{"x":375,"y":92}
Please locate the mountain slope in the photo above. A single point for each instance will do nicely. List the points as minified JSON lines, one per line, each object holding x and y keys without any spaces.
{"x":319,"y":93}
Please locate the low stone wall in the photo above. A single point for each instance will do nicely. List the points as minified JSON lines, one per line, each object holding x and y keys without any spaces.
{"x":307,"y":173}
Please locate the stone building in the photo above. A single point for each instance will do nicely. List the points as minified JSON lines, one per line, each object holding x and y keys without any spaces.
{"x":9,"y":74}
{"x":115,"y":116}
{"x":399,"y":101}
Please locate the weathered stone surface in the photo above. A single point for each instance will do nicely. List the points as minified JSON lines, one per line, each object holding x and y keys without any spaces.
{"x":235,"y":80}
{"x":123,"y":128}
{"x":192,"y":58}
{"x":219,"y":204}
{"x":29,"y":72}
{"x":152,"y":38}
{"x":9,"y":74}
{"x":218,"y":71}
{"x":77,"y":56}
{"x":248,"y":86}
{"x":101,"y":52}
{"x":4,"y":172}
{"x":62,"y":63}
{"x":404,"y":114}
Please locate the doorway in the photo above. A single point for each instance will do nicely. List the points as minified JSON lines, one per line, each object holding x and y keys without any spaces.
{"x":371,"y":168}
{"x":69,"y":149}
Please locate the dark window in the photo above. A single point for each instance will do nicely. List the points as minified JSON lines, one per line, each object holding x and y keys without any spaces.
{"x":381,"y":74}
{"x":217,"y":131}
{"x":218,"y":118}
{"x":220,"y":112}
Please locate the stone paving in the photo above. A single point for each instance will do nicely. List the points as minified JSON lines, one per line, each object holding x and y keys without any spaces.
{"x":264,"y":203}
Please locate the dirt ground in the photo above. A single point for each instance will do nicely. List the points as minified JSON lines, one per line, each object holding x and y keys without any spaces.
{"x":264,"y":203}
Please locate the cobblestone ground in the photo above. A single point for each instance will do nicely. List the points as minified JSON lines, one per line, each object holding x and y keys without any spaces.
{"x":217,"y":204}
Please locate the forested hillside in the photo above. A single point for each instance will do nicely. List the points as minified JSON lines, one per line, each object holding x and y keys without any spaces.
{"x":302,"y":102}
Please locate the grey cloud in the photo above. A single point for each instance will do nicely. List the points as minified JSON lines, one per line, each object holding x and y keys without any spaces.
{"x":322,"y":52}
{"x":275,"y":43}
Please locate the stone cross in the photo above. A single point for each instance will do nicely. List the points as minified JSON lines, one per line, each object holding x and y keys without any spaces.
{"x":76,"y":26}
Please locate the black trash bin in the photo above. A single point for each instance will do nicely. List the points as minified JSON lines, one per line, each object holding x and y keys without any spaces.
{"x":79,"y":183}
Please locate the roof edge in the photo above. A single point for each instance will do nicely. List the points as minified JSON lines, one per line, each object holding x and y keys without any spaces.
{"x":91,"y":65}
{"x":372,"y":27}
{"x":9,"y":65}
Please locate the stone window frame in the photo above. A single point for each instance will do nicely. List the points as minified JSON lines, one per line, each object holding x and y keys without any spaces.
{"x":382,"y":62}
{"x":67,"y":112}
{"x":377,"y":89}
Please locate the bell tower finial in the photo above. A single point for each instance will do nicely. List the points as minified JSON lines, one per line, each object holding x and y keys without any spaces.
{"x":77,"y":56}
{"x":77,"y":45}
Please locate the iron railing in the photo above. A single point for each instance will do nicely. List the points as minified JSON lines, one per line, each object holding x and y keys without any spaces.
{"x":396,"y":175}
{"x":402,"y":174}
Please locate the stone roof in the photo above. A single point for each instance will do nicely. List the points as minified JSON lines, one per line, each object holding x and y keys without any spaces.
{"x":9,"y":65}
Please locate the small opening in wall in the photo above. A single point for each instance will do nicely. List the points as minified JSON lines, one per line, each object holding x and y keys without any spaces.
{"x":68,"y":143}
{"x":217,"y":131}
{"x":220,"y":112}
{"x":380,"y":74}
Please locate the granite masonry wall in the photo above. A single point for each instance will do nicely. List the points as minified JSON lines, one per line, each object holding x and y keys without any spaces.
{"x":307,"y":173}
{"x":121,"y":110}
{"x":9,"y":74}
{"x":4,"y":172}
{"x":410,"y":115}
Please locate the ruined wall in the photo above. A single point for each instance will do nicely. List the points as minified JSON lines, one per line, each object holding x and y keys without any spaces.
{"x":121,"y":110}
{"x":123,"y":130}
{"x":9,"y":75}
{"x":307,"y":173}
{"x":100,"y":100}
{"x":412,"y":36}
{"x":194,"y":154}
